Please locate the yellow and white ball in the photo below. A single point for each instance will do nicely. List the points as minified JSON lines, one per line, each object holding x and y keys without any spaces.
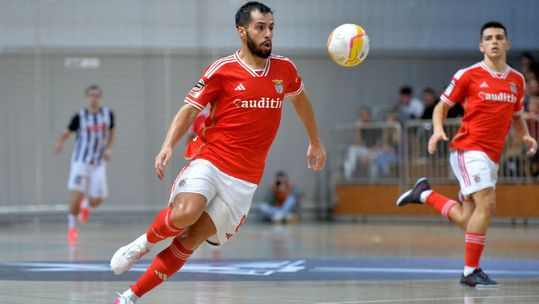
{"x":348,"y":45}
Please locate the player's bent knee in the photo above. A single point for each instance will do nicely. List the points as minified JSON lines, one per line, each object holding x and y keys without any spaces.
{"x":95,"y":202}
{"x":185,"y":213}
{"x":192,"y":242}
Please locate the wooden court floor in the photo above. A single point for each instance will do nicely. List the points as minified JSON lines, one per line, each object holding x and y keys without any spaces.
{"x":310,"y":262}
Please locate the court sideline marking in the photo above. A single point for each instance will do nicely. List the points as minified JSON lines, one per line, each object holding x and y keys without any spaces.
{"x":435,"y":299}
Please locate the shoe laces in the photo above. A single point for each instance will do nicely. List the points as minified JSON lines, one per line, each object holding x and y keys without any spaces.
{"x":482,"y":273}
{"x":135,"y":251}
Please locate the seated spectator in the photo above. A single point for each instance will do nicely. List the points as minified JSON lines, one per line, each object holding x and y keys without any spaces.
{"x":430,"y":99}
{"x":386,"y":151}
{"x":407,"y":105}
{"x":359,"y":156}
{"x":282,"y":201}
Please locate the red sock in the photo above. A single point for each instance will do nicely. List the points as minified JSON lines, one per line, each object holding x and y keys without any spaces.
{"x":475,"y":243}
{"x":163,"y":266}
{"x":162,"y":227}
{"x":441,"y":203}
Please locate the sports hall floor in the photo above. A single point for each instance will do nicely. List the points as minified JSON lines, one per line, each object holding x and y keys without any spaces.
{"x":329,"y":263}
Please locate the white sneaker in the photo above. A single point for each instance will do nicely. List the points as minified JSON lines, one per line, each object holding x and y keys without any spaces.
{"x":128,"y":297}
{"x":126,"y":256}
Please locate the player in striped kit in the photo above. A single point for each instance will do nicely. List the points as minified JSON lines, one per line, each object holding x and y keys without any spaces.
{"x":492,"y":94}
{"x":94,"y":129}
{"x":211,"y":197}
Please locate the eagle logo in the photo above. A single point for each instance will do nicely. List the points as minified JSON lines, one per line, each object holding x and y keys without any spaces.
{"x":278,"y":85}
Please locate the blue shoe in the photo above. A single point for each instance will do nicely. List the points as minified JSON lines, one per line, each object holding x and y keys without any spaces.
{"x":413,"y":196}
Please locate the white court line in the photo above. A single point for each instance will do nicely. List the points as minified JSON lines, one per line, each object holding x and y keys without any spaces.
{"x":418,"y":270}
{"x":433,"y":299}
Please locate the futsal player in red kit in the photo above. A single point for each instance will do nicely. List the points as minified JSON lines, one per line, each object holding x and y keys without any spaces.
{"x":492,"y":94}
{"x":211,"y":197}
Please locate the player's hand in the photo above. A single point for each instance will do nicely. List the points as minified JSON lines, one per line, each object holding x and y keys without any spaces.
{"x":161,"y":161}
{"x":107,"y":154}
{"x":434,"y":139}
{"x":316,"y":156}
{"x":57,"y":150}
{"x":531,"y":143}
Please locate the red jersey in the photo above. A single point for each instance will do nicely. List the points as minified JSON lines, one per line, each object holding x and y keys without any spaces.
{"x":490,"y":101}
{"x":245,"y":113}
{"x":200,"y":121}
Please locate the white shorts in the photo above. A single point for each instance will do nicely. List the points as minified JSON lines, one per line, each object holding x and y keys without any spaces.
{"x":91,"y":178}
{"x":474,"y":170}
{"x":229,"y":198}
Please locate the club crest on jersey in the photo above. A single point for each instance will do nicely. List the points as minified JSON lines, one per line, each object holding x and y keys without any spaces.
{"x":513,"y":87}
{"x":278,"y":85}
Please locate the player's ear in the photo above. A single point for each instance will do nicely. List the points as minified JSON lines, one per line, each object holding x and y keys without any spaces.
{"x":481,"y":48}
{"x":242,"y":32}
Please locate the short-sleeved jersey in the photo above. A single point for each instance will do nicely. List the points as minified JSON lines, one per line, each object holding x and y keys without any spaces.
{"x":245,"y":113}
{"x":490,"y":101}
{"x":93,"y":132}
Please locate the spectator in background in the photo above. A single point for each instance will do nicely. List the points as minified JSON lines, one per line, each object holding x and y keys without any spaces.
{"x":358,"y":159}
{"x":282,"y":201}
{"x":532,"y":120}
{"x":407,"y":105}
{"x":528,"y":65}
{"x":430,"y":99}
{"x":386,"y":151}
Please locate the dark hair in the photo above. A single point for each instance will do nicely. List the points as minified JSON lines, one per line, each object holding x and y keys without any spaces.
{"x":494,"y":24}
{"x":429,"y":90}
{"x":243,"y":15}
{"x":406,"y":90}
{"x":281,"y":173}
{"x":93,"y":87}
{"x":528,"y":56}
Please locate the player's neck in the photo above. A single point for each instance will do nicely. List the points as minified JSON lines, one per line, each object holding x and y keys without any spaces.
{"x":496,"y":64}
{"x":251,"y":60}
{"x":93,"y":110}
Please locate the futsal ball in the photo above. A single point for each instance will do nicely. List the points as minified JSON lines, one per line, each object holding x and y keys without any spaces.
{"x":348,"y":45}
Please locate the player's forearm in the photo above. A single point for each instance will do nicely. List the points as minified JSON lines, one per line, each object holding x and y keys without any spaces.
{"x":520,"y":126}
{"x":180,"y":125}
{"x":305,"y":112}
{"x":112,"y":139}
{"x":439,"y":116}
{"x":62,"y":138}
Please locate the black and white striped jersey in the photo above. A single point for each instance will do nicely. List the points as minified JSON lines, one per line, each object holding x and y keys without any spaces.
{"x":93,"y":131}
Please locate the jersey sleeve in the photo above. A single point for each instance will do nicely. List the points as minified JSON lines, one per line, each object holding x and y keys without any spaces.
{"x":295,"y":84}
{"x":74,"y":124}
{"x":111,"y":120}
{"x":518,"y":108}
{"x":456,"y":90}
{"x":205,"y":90}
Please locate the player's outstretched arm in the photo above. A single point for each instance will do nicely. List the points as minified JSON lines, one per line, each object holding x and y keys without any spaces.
{"x":521,"y":129}
{"x":438,"y":117}
{"x":316,"y":153}
{"x":60,"y":142}
{"x":180,"y":124}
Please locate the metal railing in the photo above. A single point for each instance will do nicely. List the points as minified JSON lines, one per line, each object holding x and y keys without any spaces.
{"x":391,"y":153}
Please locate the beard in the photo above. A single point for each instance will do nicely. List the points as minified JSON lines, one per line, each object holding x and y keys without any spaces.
{"x":257,"y":50}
